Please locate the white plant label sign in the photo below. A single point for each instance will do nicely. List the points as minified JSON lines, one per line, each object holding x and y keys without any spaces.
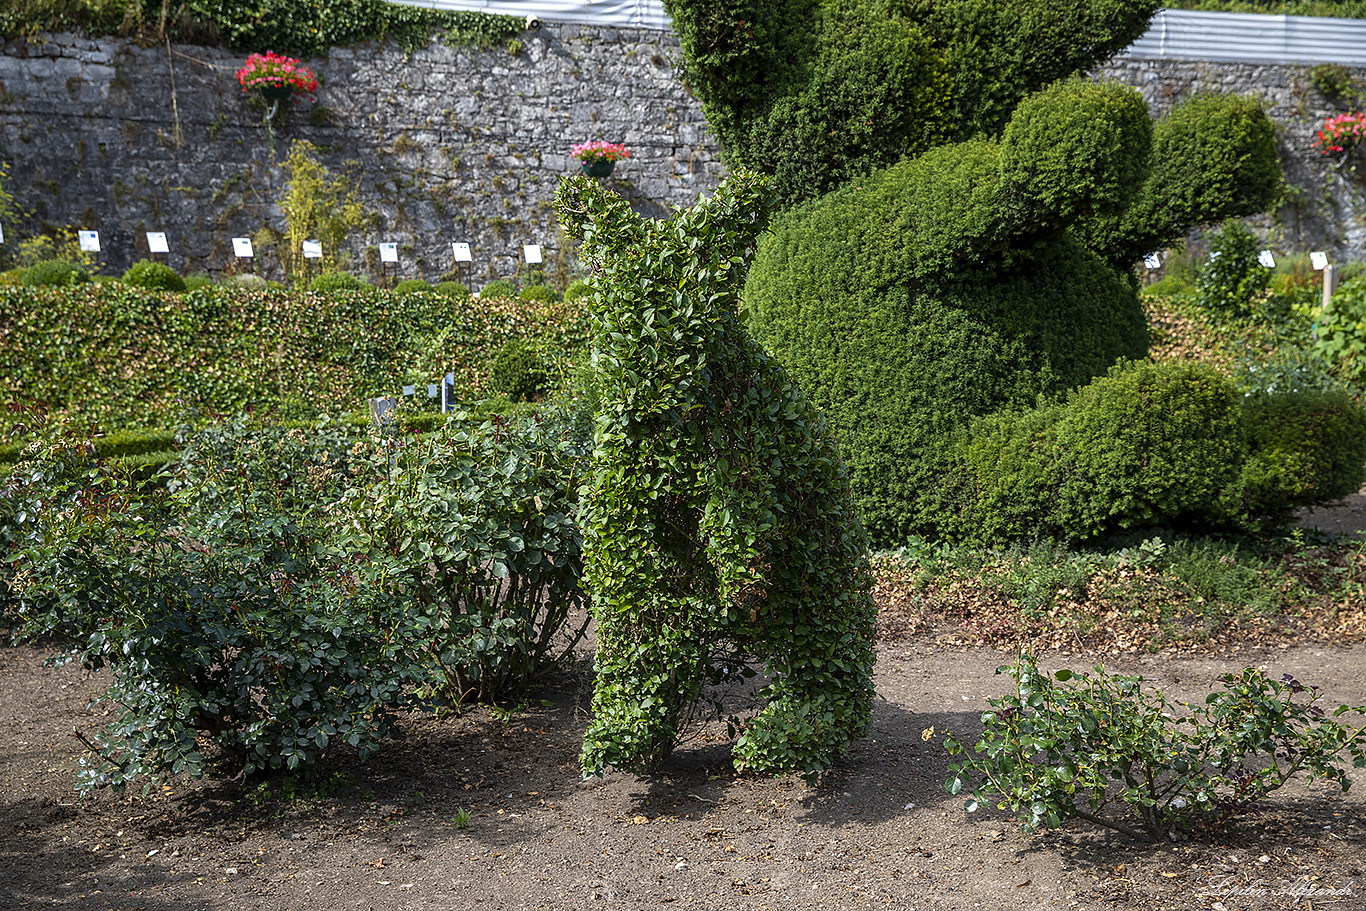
{"x":1267,"y":259}
{"x":433,"y":391}
{"x":313,"y":249}
{"x":1153,"y":261}
{"x":532,"y":252}
{"x":89,"y":241}
{"x":388,"y":253}
{"x":462,"y":253}
{"x":1319,"y":260}
{"x":156,"y":242}
{"x":409,"y":390}
{"x":241,"y":248}
{"x":2,"y":234}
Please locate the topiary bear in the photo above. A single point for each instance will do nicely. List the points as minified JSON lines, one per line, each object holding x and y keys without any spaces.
{"x":985,"y":274}
{"x":717,"y":525}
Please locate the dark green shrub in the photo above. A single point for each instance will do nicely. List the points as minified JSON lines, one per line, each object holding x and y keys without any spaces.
{"x":538,"y":293}
{"x":576,"y":290}
{"x":197,"y":280}
{"x":1232,"y":276}
{"x":520,"y":371}
{"x":54,"y":272}
{"x":717,"y":523}
{"x":497,"y":289}
{"x":817,"y":93}
{"x":452,"y":289}
{"x":336,"y":281}
{"x":1305,"y":446}
{"x":1145,"y":445}
{"x":411,"y":285}
{"x":153,"y":276}
{"x":902,"y":309}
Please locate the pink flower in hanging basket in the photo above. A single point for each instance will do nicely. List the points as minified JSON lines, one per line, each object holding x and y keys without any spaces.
{"x":590,"y":152}
{"x":271,"y":70}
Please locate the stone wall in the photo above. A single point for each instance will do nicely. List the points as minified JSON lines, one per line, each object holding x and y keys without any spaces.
{"x":456,"y":145}
{"x":1324,"y":199}
{"x":449,"y":145}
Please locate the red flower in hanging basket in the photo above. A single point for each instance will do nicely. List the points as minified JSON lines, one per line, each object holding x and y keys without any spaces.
{"x":273,"y":71}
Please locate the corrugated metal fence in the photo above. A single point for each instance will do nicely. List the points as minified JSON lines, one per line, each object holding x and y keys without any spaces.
{"x":1248,"y":38}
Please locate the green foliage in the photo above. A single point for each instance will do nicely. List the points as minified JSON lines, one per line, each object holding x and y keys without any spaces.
{"x":153,"y":276}
{"x":1232,"y":276}
{"x":717,"y":522}
{"x":317,"y":205}
{"x":195,"y":281}
{"x":412,"y":285}
{"x":817,"y":92}
{"x":1146,"y":445}
{"x":1213,"y":157}
{"x":452,"y":289}
{"x":330,"y":282}
{"x":577,"y":289}
{"x":1306,"y":445}
{"x":9,"y":217}
{"x":475,"y":526}
{"x":54,"y":273}
{"x":498,"y":288}
{"x":230,"y":622}
{"x":520,"y":371}
{"x":538,"y":293}
{"x":1103,"y":749}
{"x":929,"y":295}
{"x":121,"y":356}
{"x":1341,"y":327}
{"x":1333,"y":81}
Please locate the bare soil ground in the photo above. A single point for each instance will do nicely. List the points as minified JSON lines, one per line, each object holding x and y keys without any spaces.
{"x":880,"y":831}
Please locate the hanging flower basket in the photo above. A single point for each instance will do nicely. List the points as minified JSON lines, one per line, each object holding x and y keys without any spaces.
{"x":276,"y":77}
{"x":598,"y":158}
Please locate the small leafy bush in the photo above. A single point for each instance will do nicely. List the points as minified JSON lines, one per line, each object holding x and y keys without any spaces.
{"x":475,"y":526}
{"x":538,"y":293}
{"x":55,"y":273}
{"x":1342,"y":331}
{"x":1333,"y":81}
{"x":452,"y":289}
{"x":577,"y":289}
{"x":219,"y":611}
{"x":1232,"y":276}
{"x":496,"y":289}
{"x":336,"y":281}
{"x":153,"y":276}
{"x":520,"y":371}
{"x":412,"y":285}
{"x":1103,"y":749}
{"x":197,"y":280}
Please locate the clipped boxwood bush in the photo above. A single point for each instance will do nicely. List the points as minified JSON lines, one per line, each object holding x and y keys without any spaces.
{"x":153,"y":276}
{"x":538,"y":293}
{"x":412,"y":285}
{"x":496,"y":289}
{"x":456,"y":290}
{"x":520,"y":371}
{"x":197,"y":280}
{"x":577,"y":289}
{"x":952,"y":286}
{"x":336,"y":281}
{"x":54,"y":273}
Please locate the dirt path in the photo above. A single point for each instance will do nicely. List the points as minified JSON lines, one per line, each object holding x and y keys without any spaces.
{"x":880,"y":832}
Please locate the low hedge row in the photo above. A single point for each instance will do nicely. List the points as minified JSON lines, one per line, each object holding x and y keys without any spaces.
{"x":120,"y":356}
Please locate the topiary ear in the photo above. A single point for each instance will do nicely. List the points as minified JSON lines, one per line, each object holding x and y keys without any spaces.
{"x":1073,"y":150}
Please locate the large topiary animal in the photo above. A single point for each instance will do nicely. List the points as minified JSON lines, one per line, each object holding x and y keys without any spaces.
{"x":963,"y":225}
{"x":718,"y":525}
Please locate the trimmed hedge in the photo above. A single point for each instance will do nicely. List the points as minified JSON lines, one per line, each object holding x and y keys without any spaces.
{"x":121,"y":356}
{"x":153,"y":276}
{"x":498,"y":288}
{"x":55,"y":273}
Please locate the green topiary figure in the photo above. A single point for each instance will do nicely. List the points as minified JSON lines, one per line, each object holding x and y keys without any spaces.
{"x":972,"y":279}
{"x":816,"y":92}
{"x":717,"y":525}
